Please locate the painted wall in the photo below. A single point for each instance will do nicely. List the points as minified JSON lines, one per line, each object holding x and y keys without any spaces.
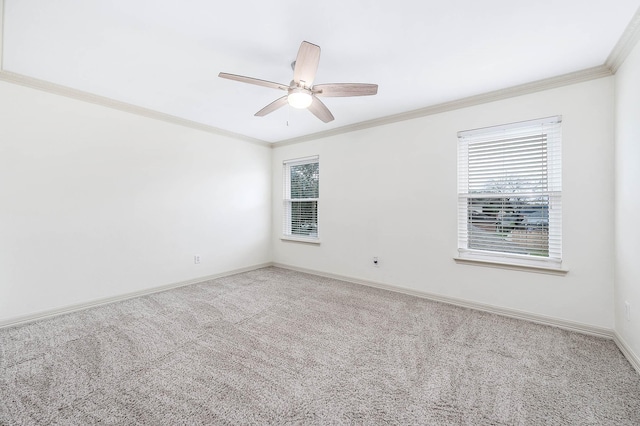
{"x":390,"y":192}
{"x":627,"y":206}
{"x":96,"y":202}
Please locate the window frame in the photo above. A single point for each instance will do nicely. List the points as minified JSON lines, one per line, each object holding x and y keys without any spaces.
{"x":551,"y":134}
{"x":287,"y":201}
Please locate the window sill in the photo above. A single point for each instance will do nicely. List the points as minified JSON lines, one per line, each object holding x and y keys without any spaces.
{"x":512,"y":266}
{"x":314,"y":241}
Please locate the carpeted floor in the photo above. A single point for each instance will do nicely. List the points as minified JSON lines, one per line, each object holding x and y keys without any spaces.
{"x":274,"y":346}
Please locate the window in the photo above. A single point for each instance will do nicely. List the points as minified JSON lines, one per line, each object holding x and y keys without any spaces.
{"x":509,"y":193}
{"x":301,"y":193}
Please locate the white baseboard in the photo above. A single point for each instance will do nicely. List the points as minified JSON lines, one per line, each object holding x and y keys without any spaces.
{"x":607,"y":333}
{"x":513,"y":313}
{"x":626,"y":350}
{"x":10,"y":322}
{"x":631,"y":356}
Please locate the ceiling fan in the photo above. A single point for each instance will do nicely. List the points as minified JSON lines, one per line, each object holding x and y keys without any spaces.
{"x":301,"y":93}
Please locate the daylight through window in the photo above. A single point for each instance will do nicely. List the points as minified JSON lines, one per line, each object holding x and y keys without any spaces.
{"x":301,"y":194}
{"x":509,"y":192}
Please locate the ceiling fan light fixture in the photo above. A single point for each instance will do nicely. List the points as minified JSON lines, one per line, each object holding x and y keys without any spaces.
{"x":301,"y":92}
{"x":299,"y":98}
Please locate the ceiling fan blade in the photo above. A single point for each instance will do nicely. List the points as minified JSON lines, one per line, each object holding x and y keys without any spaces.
{"x":345,"y":89}
{"x":320,"y":110}
{"x":306,"y":64}
{"x":252,"y":80}
{"x":278,"y":103}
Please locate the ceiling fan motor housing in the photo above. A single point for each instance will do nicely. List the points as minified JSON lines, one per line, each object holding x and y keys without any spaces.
{"x":301,"y":93}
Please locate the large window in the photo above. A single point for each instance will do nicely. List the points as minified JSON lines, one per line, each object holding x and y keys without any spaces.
{"x":301,"y":194}
{"x":509,"y":193}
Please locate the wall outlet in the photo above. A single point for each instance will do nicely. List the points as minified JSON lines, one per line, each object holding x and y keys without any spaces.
{"x":376,"y":263}
{"x":196,"y":259}
{"x":627,"y":311}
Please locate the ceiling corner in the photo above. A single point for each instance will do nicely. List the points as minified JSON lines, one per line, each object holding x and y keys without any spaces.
{"x":627,"y":42}
{"x":56,"y":89}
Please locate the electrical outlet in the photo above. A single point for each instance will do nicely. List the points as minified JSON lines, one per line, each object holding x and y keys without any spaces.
{"x":627,"y":311}
{"x":196,"y":259}
{"x":376,"y":263}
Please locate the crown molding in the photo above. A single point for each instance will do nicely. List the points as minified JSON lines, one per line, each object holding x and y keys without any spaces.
{"x":57,"y":89}
{"x":623,"y":47}
{"x":80,"y":95}
{"x":523,"y":89}
{"x":496,"y":95}
{"x":625,"y":44}
{"x":1,"y":32}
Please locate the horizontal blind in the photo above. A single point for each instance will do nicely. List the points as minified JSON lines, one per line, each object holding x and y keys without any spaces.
{"x":301,"y":194}
{"x":509,"y":190}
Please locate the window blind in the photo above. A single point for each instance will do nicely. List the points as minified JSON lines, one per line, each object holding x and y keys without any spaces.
{"x":301,"y":194}
{"x":509,"y":191}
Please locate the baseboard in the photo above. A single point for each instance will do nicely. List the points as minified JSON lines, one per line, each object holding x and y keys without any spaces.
{"x":626,"y":350}
{"x":107,"y":300}
{"x":631,"y":356}
{"x":512,"y":313}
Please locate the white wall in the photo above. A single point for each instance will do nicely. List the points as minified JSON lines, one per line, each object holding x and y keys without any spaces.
{"x":96,"y":202}
{"x":627,"y":217}
{"x":390,"y":191}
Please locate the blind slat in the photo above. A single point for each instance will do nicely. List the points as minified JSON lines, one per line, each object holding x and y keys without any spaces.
{"x":509,"y":187}
{"x":301,"y":188}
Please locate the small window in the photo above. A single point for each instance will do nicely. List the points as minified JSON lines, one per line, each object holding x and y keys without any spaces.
{"x":509,"y":193}
{"x":301,"y":194}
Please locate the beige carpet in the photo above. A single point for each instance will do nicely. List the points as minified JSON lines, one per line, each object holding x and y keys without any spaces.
{"x":279,"y":347}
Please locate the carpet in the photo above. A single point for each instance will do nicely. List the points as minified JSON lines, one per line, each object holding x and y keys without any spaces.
{"x":274,"y":346}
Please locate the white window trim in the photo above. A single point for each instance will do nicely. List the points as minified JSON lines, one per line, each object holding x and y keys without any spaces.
{"x":509,"y":260}
{"x":550,"y":270}
{"x":310,"y":240}
{"x":286,"y":202}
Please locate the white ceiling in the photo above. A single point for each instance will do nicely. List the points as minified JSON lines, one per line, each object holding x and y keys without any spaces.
{"x":166,"y":55}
